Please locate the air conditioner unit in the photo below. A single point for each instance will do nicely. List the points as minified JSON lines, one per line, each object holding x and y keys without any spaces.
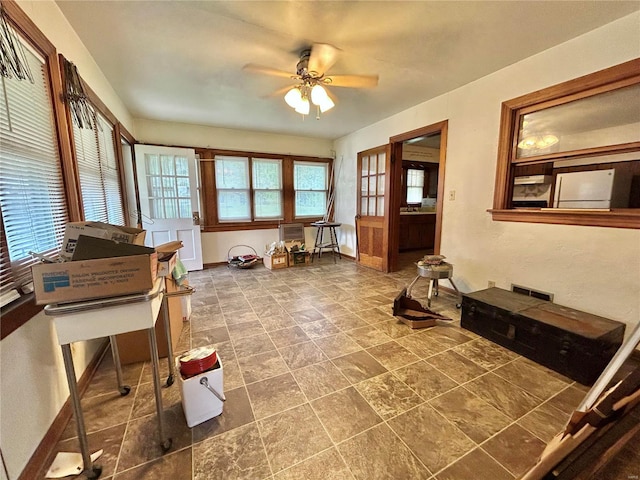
{"x":290,"y":232}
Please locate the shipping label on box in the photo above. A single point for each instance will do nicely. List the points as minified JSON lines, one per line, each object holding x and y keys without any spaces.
{"x":166,"y":264}
{"x":275,"y":260}
{"x":98,"y":230}
{"x":89,"y":279}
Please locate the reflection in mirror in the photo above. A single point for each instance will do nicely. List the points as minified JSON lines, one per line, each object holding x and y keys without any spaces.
{"x":609,"y":118}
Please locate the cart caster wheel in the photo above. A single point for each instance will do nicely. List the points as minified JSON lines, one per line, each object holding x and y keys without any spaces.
{"x":94,"y":472}
{"x":166,"y":445}
{"x":435,"y":294}
{"x":124,"y":390}
{"x":458,"y":305}
{"x":169,"y":381}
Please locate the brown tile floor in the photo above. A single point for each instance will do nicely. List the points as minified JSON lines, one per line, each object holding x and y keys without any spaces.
{"x":322,"y":382}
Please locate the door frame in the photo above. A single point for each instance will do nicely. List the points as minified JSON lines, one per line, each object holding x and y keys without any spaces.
{"x":395,"y":199}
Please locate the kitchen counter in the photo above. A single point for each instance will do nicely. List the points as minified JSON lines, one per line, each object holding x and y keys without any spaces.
{"x":418,"y":230}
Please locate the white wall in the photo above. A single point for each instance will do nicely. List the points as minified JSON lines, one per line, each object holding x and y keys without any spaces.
{"x":32,"y":378}
{"x":216,"y":245}
{"x":589,"y":268}
{"x":49,"y":19}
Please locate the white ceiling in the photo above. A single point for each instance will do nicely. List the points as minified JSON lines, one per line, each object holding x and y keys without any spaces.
{"x":182,"y":60}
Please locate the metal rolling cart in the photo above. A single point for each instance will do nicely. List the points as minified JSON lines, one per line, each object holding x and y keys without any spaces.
{"x":107,"y":317}
{"x":433,"y":273}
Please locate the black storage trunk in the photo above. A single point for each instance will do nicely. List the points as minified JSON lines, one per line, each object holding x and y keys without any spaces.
{"x":574,"y":343}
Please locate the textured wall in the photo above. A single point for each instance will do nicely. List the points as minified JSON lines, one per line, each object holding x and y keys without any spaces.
{"x":588,"y":268}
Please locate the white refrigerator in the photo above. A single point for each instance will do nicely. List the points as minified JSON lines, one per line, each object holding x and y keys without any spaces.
{"x":592,"y":189}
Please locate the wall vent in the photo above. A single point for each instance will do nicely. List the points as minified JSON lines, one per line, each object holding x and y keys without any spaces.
{"x":530,"y":292}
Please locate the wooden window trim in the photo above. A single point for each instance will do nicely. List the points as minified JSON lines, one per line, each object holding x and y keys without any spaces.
{"x":209,"y":198}
{"x":619,"y":76}
{"x":118,"y":130}
{"x":22,"y":310}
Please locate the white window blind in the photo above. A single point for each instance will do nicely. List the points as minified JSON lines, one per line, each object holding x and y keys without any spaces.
{"x":310,"y":182}
{"x":98,"y":170}
{"x":232,"y":185}
{"x":267,"y":188}
{"x":415,"y":185}
{"x":32,"y":197}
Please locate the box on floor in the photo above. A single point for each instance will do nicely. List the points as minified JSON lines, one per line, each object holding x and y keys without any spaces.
{"x":275,"y":261}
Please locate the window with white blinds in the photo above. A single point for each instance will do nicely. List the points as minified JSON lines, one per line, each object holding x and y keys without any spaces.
{"x":32,"y":196}
{"x":98,"y":171}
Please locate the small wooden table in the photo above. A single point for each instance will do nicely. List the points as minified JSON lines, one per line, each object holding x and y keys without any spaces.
{"x":320,"y":244}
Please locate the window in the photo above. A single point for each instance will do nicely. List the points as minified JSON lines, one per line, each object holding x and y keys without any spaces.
{"x":267,"y":188}
{"x":232,"y":185}
{"x":415,"y":185}
{"x":590,"y":123}
{"x":372,"y":184}
{"x":169,"y":192}
{"x":32,"y":194}
{"x":98,"y":171}
{"x":311,"y":186}
{"x":243,"y":190}
{"x":235,"y":191}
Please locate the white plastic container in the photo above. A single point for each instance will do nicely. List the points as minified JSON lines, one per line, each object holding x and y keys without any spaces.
{"x":198,"y":402}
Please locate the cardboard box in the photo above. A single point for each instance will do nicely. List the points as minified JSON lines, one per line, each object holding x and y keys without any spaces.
{"x":91,"y":248}
{"x":98,"y":230}
{"x":166,"y":263}
{"x":299,"y":259}
{"x":89,"y":279}
{"x":134,"y":346}
{"x":275,"y":261}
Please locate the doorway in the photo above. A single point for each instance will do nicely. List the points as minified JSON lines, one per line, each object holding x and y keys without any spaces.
{"x":418,"y":160}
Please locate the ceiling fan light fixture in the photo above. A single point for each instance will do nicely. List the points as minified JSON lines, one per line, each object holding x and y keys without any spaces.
{"x":293,"y":97}
{"x":318,"y":94}
{"x":538,"y":141}
{"x":320,"y":98}
{"x":327,"y":104}
{"x":303,"y":106}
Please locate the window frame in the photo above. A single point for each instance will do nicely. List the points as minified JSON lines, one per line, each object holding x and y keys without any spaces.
{"x":209,"y":216}
{"x":248,"y":191}
{"x":295,"y":191}
{"x":609,"y":79}
{"x":255,"y":190}
{"x":18,"y":312}
{"x":421,"y":187}
{"x":118,"y":132}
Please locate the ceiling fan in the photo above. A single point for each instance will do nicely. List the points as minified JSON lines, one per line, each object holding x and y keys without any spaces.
{"x":311,"y":79}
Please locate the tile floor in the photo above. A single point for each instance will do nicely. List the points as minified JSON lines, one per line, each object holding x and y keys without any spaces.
{"x":323,"y":383}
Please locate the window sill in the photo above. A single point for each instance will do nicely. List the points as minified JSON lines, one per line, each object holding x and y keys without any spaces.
{"x":620,"y":218}
{"x":262,"y":225}
{"x":18,"y":313}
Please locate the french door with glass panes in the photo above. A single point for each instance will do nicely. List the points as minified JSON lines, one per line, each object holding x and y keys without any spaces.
{"x":372,"y":220}
{"x":169,"y":200}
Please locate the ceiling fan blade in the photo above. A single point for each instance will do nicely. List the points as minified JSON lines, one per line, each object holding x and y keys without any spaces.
{"x":322,"y":58}
{"x":279,"y":93}
{"x":354,"y":81}
{"x":254,"y":68}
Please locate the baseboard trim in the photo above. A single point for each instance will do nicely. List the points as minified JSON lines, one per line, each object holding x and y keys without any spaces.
{"x":43,"y":452}
{"x":218,"y":264}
